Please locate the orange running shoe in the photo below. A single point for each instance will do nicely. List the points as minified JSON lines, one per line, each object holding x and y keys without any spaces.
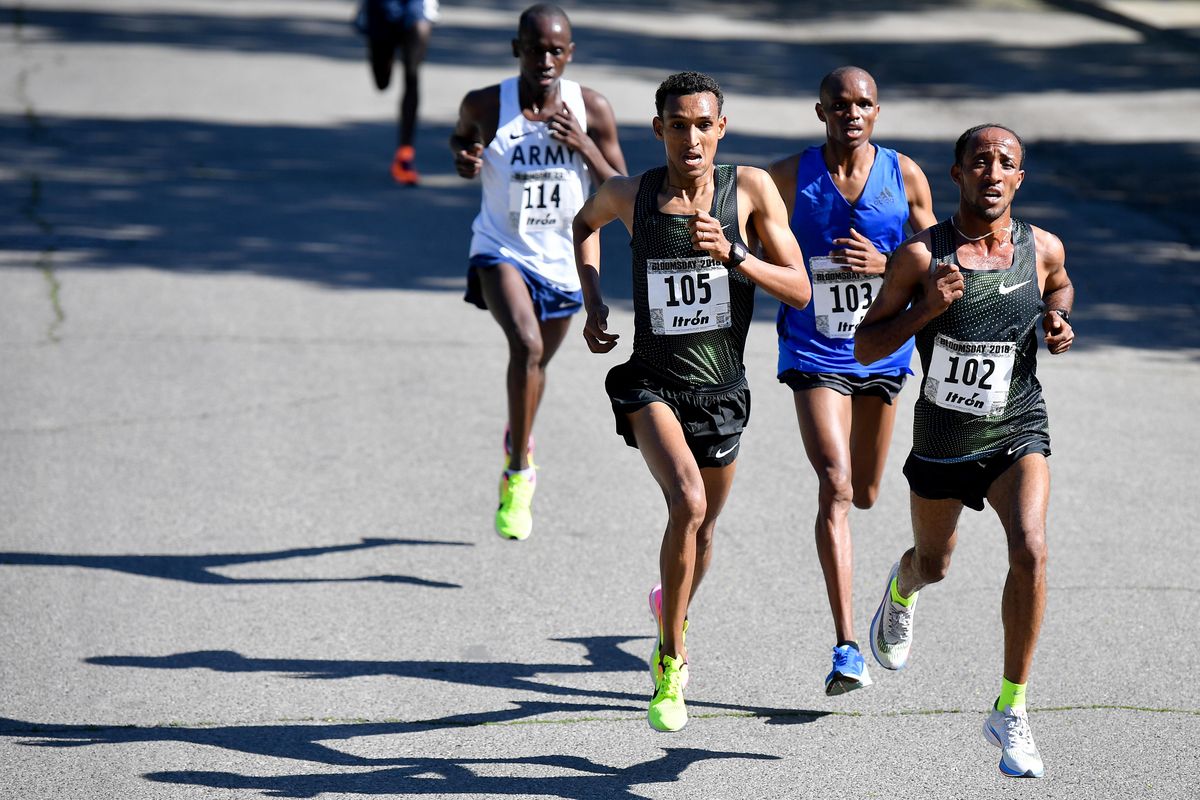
{"x":404,"y":171}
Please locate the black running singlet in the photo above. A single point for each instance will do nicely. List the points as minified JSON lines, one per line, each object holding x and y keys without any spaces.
{"x":691,"y":313}
{"x":980,"y":392}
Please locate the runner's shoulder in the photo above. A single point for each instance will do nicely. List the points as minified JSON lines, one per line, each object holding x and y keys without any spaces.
{"x":594,"y":100}
{"x":479,"y":101}
{"x":914,"y":253}
{"x":755,"y":181}
{"x":621,"y":188}
{"x":785,"y":167}
{"x":908,"y":167}
{"x":1049,"y":247}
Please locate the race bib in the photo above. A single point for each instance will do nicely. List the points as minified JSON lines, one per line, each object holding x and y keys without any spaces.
{"x":971,"y":377}
{"x":840,"y":297}
{"x":687,"y":295}
{"x":544,"y":200}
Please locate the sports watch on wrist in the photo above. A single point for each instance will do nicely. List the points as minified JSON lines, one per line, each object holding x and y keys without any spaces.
{"x":1062,"y":312}
{"x":737,"y":254}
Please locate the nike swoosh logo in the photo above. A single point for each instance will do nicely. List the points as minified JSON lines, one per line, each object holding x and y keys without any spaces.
{"x":526,"y":133}
{"x":723,"y":453}
{"x":1016,"y":448}
{"x":1006,"y":289}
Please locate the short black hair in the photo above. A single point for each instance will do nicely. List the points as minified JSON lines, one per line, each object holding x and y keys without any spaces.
{"x":836,"y":76}
{"x":960,"y":147}
{"x":685,"y":83}
{"x":541,"y":11}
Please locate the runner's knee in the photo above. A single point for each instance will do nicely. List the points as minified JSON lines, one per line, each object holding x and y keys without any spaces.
{"x":931,"y":567}
{"x":1028,"y":555}
{"x":866,"y":494}
{"x":688,"y":506}
{"x":836,"y":490}
{"x":525,"y":346}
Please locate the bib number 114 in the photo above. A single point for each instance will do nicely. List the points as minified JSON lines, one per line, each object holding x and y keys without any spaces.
{"x":537,"y":192}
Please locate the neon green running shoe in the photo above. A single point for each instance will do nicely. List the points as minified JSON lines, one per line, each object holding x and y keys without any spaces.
{"x":667,"y":710}
{"x":656,"y":612}
{"x":514,"y":520}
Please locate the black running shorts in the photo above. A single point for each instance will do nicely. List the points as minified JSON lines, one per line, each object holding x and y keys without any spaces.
{"x":968,"y":481}
{"x":712,"y":418}
{"x":885,"y":387}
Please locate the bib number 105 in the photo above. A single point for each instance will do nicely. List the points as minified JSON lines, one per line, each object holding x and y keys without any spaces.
{"x":683,"y":288}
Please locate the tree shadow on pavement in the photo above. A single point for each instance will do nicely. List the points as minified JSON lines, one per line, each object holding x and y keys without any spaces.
{"x":200,"y":568}
{"x":316,"y":204}
{"x":313,"y":204}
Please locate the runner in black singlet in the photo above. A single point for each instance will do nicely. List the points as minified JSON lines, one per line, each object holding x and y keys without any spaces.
{"x":974,"y":290}
{"x":682,"y":398}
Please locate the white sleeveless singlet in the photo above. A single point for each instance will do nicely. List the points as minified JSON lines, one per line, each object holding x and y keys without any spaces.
{"x":533,"y":185}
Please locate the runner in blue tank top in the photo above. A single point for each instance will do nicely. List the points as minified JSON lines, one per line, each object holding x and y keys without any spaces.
{"x":848,"y":201}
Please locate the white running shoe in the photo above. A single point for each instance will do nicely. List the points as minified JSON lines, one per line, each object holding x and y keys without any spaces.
{"x":1009,"y":730}
{"x":891,"y":627}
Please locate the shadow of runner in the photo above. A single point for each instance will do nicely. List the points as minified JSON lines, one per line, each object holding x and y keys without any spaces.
{"x":198,"y":568}
{"x":298,"y":741}
{"x":445,"y":777}
{"x":602,"y":654}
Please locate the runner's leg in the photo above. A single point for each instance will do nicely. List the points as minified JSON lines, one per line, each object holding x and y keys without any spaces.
{"x":507,"y":297}
{"x":413,"y":46}
{"x":661,"y":442}
{"x":717,"y":483}
{"x":870,"y":438}
{"x":825,"y":423}
{"x":1020,"y":497}
{"x":935,"y":534}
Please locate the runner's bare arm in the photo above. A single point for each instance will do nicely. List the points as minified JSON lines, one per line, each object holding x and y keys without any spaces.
{"x":909,"y":298}
{"x":920,"y":198}
{"x":783,"y":173}
{"x":1057,"y":291}
{"x":781,"y":274}
{"x":599,"y":146}
{"x":478,"y":116}
{"x":614,"y":200}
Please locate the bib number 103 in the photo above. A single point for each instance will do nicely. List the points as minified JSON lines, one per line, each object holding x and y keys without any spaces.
{"x":850,"y":297}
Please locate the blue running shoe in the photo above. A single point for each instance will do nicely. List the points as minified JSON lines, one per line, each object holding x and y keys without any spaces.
{"x":849,"y":671}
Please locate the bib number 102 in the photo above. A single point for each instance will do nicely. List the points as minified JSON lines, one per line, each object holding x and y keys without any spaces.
{"x":970,"y":371}
{"x":537,"y":192}
{"x":688,"y":285}
{"x":848,"y":297}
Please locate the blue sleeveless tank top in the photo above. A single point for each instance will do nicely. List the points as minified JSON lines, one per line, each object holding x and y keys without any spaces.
{"x":820,"y":215}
